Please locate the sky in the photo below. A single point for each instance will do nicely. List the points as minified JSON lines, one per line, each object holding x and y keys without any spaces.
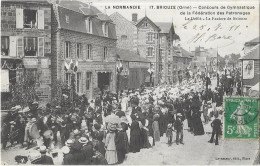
{"x":228,"y":36}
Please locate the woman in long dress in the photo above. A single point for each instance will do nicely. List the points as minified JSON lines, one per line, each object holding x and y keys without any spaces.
{"x":135,"y":133}
{"x":111,"y":153}
{"x":156,"y":130}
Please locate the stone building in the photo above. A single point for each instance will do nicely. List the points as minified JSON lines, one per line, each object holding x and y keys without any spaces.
{"x":90,"y":46}
{"x":153,"y":41}
{"x":26,"y":35}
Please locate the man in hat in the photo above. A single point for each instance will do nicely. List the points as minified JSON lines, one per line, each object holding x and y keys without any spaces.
{"x":67,"y":156}
{"x":121,"y":142}
{"x":34,"y":109}
{"x":178,"y":125}
{"x":216,"y":126}
{"x":87,"y":150}
{"x":44,"y":160}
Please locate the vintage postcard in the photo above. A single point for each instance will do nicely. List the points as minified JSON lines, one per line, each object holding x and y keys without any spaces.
{"x":120,"y":82}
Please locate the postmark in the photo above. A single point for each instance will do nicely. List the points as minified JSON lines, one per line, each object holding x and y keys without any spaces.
{"x":241,"y":118}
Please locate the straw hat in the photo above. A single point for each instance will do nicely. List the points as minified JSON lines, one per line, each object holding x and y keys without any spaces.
{"x":65,"y":149}
{"x":83,"y":140}
{"x":69,"y":142}
{"x":43,"y":149}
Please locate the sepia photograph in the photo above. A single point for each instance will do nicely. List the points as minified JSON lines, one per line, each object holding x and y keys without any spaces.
{"x":120,"y":82}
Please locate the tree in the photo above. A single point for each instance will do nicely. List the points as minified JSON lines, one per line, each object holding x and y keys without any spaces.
{"x":23,"y":91}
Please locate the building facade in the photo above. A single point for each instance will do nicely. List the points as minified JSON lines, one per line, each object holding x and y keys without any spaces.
{"x":126,"y":32}
{"x":90,"y":46}
{"x":26,"y":35}
{"x":134,"y":70}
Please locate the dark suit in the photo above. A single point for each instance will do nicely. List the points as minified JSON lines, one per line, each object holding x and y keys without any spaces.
{"x":44,"y":160}
{"x":216,"y":125}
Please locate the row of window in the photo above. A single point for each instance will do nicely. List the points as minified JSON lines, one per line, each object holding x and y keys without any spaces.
{"x":22,"y":46}
{"x":79,"y":53}
{"x":79,"y":81}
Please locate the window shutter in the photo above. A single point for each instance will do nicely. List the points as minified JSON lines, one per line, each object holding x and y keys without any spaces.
{"x":41,"y":46}
{"x":20,"y":47}
{"x":19,"y":18}
{"x":12,"y":46}
{"x":40,"y":14}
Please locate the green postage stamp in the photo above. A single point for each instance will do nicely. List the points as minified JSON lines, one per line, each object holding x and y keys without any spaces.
{"x":241,"y":118}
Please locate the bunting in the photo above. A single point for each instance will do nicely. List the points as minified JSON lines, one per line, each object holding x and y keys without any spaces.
{"x":119,"y":67}
{"x":66,"y":66}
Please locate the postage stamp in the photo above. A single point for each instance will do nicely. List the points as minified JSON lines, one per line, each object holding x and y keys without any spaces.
{"x":241,"y":120}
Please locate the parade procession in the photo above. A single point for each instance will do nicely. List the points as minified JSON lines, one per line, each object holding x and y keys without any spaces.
{"x":86,"y":83}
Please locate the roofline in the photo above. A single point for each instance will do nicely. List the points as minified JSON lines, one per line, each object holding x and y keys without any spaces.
{"x":88,"y":34}
{"x":134,"y":61}
{"x":159,"y":29}
{"x":96,"y":16}
{"x":30,"y":1}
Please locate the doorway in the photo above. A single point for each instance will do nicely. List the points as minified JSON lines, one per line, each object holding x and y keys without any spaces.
{"x":103,"y":81}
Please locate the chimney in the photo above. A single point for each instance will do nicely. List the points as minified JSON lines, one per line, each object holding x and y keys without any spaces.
{"x":134,"y":17}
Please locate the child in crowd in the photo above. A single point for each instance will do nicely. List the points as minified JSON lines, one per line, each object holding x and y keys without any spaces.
{"x":169,"y":133}
{"x":178,"y":125}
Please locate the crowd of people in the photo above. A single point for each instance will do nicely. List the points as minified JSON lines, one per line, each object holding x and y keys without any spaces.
{"x":102,"y":131}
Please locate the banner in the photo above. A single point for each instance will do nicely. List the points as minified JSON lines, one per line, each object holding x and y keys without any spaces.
{"x":248,"y":69}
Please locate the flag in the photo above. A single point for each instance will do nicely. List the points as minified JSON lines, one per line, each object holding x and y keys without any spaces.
{"x":119,"y":67}
{"x":71,"y":65}
{"x":76,"y":66}
{"x":66,"y":66}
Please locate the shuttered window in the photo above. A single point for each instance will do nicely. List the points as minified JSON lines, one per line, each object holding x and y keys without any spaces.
{"x":5,"y":45}
{"x":30,"y":46}
{"x":27,"y":18}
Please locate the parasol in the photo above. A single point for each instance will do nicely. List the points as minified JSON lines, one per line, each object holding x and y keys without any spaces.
{"x":114,"y":119}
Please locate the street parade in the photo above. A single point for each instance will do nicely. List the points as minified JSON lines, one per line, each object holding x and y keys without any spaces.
{"x":112,"y":82}
{"x":103,"y":131}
